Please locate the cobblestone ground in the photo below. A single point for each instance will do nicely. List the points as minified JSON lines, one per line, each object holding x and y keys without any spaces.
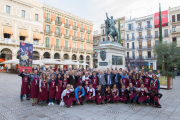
{"x":12,"y":108}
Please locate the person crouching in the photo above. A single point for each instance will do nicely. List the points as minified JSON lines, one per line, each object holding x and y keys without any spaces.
{"x":90,"y":93}
{"x":124,"y":94}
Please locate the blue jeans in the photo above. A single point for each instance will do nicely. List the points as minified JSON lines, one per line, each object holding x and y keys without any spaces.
{"x":135,"y":97}
{"x":147,"y":101}
{"x":50,"y":100}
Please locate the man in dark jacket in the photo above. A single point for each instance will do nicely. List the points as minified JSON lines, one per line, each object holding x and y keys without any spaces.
{"x":109,"y":79}
{"x":72,"y":79}
{"x":117,"y":80}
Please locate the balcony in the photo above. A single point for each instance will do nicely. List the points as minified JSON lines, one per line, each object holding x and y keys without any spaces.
{"x":130,"y":29}
{"x":144,"y":47}
{"x":149,"y":47}
{"x":58,"y":34}
{"x":67,"y":36}
{"x":47,"y":32}
{"x":148,"y":27}
{"x":139,"y":28}
{"x":82,"y":50}
{"x":66,"y":25}
{"x":58,"y":23}
{"x":131,"y":48}
{"x":48,"y":46}
{"x":67,"y":49}
{"x":88,"y":31}
{"x":75,"y":27}
{"x":140,"y":57}
{"x":128,"y":39}
{"x":103,"y":34}
{"x":74,"y":38}
{"x":89,"y":51}
{"x":149,"y":57}
{"x":91,"y":41}
{"x":82,"y":30}
{"x":149,"y":37}
{"x":88,"y":41}
{"x":74,"y":49}
{"x":166,"y":35}
{"x":140,"y":38}
{"x":58,"y":48}
{"x":48,"y":20}
{"x":156,"y":36}
{"x":82,"y":39}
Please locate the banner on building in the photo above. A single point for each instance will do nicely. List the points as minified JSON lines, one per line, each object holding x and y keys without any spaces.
{"x":164,"y":18}
{"x":25,"y":57}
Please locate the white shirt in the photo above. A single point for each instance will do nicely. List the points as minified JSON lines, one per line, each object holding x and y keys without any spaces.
{"x":65,"y":91}
{"x":158,"y":75}
{"x":109,"y":81}
{"x":91,"y":90}
{"x":84,"y":77}
{"x":150,"y":75}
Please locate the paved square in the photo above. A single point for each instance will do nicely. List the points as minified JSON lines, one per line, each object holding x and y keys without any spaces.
{"x":11,"y":108}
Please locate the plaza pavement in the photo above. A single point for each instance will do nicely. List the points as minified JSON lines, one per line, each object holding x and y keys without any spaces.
{"x":11,"y":108}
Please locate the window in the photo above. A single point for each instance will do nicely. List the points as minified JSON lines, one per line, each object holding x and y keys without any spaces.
{"x":66,"y":44}
{"x":87,"y":27}
{"x":81,"y":35}
{"x":127,"y":54}
{"x":7,"y":9}
{"x":81,"y":26}
{"x":140,"y":45}
{"x":66,"y":32}
{"x":75,"y":24}
{"x":156,"y":34}
{"x":6,"y":35}
{"x":88,"y":48}
{"x":133,"y":36}
{"x":133,"y":53}
{"x":74,"y":45}
{"x":133,"y":45}
{"x":149,"y":44}
{"x":103,"y":39}
{"x":130,"y":26}
{"x":165,"y":32}
{"x":127,"y":36}
{"x":57,"y":31}
{"x":149,"y":54}
{"x":22,"y":38}
{"x":174,"y":39}
{"x":23,"y":13}
{"x":47,"y":30}
{"x":36,"y":17}
{"x":47,"y":42}
{"x":178,"y":17}
{"x":127,"y":45}
{"x":81,"y":45}
{"x":140,"y":34}
{"x":87,"y":37}
{"x":58,"y":19}
{"x":74,"y":33}
{"x":121,"y":25}
{"x":57,"y":43}
{"x":103,"y":31}
{"x":174,"y":29}
{"x":148,"y":24}
{"x":140,"y":54}
{"x":47,"y":15}
{"x":66,"y":21}
{"x":148,"y":34}
{"x":139,"y":25}
{"x":173,"y":18}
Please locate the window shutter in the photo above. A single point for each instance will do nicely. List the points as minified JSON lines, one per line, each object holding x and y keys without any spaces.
{"x":148,"y":32}
{"x":132,"y":27}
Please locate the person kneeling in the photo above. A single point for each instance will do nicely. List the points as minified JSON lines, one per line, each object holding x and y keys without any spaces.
{"x":79,"y":95}
{"x":132,"y":93}
{"x":154,"y":98}
{"x":108,"y":95}
{"x":124,"y":94}
{"x":91,"y":93}
{"x":143,"y":94}
{"x":115,"y":94}
{"x":66,"y":95}
{"x":99,"y":95}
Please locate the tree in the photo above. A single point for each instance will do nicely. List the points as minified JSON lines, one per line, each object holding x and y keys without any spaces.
{"x":160,"y":25}
{"x":119,"y":28}
{"x":168,"y":55}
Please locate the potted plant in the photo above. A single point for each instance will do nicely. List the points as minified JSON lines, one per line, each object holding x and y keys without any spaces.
{"x":168,"y":55}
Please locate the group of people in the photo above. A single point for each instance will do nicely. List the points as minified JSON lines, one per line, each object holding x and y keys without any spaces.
{"x":74,"y":86}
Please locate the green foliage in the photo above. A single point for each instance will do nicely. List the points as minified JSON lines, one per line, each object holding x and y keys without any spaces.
{"x":119,"y":28}
{"x":170,"y":74}
{"x":95,"y":66}
{"x":168,"y":55}
{"x":160,"y":25}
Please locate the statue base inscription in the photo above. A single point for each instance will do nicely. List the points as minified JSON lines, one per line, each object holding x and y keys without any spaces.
{"x":110,"y":54}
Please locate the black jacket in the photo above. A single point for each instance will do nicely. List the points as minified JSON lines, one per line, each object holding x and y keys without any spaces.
{"x":112,"y":78}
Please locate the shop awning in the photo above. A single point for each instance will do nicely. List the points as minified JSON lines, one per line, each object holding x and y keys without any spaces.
{"x":36,"y":36}
{"x":7,"y":30}
{"x":23,"y":33}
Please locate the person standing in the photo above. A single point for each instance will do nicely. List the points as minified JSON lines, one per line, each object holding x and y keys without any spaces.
{"x":72,"y":80}
{"x":124,"y":79}
{"x":102,"y":81}
{"x":78,"y":79}
{"x":59,"y":88}
{"x":117,"y":80}
{"x":109,"y":79}
{"x":52,"y":89}
{"x":34,"y":87}
{"x":94,"y":80}
{"x":25,"y":87}
{"x":6,"y":69}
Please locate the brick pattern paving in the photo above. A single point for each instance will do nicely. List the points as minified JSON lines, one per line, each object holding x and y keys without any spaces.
{"x":11,"y":108}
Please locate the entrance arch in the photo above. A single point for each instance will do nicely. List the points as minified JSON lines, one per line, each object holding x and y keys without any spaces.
{"x":56,"y":56}
{"x":46,"y":55}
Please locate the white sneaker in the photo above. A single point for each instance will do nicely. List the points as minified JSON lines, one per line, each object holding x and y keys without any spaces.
{"x":52,"y":103}
{"x":49,"y":103}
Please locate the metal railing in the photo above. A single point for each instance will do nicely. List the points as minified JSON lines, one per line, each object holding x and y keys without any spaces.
{"x":88,"y":31}
{"x":48,"y":20}
{"x":148,"y":27}
{"x":66,"y":36}
{"x":58,"y":22}
{"x":128,"y":39}
{"x":140,"y":38}
{"x":149,"y":57}
{"x":74,"y":38}
{"x":139,"y":28}
{"x":74,"y":49}
{"x":66,"y":25}
{"x":47,"y":32}
{"x":166,"y":35}
{"x":74,"y":27}
{"x":149,"y":36}
{"x":82,"y":30}
{"x":58,"y":34}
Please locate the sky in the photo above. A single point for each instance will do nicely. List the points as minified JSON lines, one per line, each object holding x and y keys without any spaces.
{"x":94,"y":10}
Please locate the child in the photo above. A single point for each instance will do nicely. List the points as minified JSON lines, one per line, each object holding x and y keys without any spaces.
{"x":43,"y":90}
{"x":108,"y":95}
{"x":143,"y":94}
{"x":99,"y":95}
{"x":59,"y":88}
{"x":66,"y":95}
{"x":154,"y":98}
{"x":115,"y":94}
{"x":124,"y":94}
{"x":34,"y":87}
{"x":65,"y":81}
{"x":132,"y":93}
{"x":90,"y":92}
{"x":25,"y":87}
{"x":52,"y":89}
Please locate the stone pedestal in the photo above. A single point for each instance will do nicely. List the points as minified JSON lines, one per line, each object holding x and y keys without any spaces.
{"x":114,"y":55}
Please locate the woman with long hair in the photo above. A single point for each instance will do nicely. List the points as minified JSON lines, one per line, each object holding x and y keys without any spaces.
{"x":138,"y":81}
{"x":59,"y":88}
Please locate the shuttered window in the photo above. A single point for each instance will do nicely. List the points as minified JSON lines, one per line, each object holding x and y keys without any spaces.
{"x":57,"y":43}
{"x":74,"y":33}
{"x":148,"y":32}
{"x":66,"y":44}
{"x":74,"y":44}
{"x":140,"y":33}
{"x":81,"y":45}
{"x":140,"y":53}
{"x":88,"y":48}
{"x":165,"y":32}
{"x":156,"y":34}
{"x":47,"y":42}
{"x":66,"y":32}
{"x":149,"y":44}
{"x":140,"y":44}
